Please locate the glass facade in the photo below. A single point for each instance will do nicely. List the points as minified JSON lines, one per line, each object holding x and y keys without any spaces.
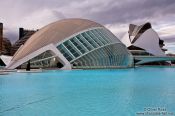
{"x":94,"y":48}
{"x":110,"y":56}
{"x":44,"y":60}
{"x":85,"y":42}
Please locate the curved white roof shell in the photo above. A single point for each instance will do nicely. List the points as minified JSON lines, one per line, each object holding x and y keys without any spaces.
{"x":53,"y":33}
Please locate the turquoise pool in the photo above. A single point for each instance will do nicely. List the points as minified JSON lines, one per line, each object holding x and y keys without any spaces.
{"x":123,"y":92}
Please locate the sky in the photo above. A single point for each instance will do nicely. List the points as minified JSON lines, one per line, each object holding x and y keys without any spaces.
{"x":116,"y":15}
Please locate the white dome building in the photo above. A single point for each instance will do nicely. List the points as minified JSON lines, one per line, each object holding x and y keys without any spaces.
{"x":72,"y":43}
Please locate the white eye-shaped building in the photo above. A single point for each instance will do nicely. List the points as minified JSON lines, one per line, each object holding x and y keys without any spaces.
{"x":71,"y":44}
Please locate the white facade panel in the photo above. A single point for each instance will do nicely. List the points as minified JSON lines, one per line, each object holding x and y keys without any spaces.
{"x":126,"y":40}
{"x":149,"y":41}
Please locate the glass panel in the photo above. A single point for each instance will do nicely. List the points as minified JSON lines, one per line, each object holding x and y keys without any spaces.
{"x":79,"y":43}
{"x":89,"y":40}
{"x":65,"y":53}
{"x":109,"y":34}
{"x":67,"y":56}
{"x":98,"y":36}
{"x":60,"y":47}
{"x":103,"y":35}
{"x":69,"y":46}
{"x":95,"y":38}
{"x":83,"y":42}
{"x":86,"y":41}
{"x":79,"y":47}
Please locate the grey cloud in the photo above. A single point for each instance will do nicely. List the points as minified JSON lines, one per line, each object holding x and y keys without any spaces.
{"x":133,"y":10}
{"x":102,"y":11}
{"x":59,"y":14}
{"x":12,"y":36}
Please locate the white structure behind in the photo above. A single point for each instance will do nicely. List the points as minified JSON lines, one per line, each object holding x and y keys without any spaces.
{"x":148,"y":41}
{"x":6,"y":59}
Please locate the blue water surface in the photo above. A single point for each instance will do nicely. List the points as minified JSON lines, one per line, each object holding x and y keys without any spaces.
{"x":119,"y":92}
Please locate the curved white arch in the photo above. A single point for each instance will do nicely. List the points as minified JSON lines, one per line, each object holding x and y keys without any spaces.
{"x":51,"y":47}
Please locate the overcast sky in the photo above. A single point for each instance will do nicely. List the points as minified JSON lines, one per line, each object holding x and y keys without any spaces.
{"x":116,"y":15}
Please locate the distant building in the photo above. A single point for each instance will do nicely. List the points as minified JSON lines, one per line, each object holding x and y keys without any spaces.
{"x":1,"y":37}
{"x":6,"y":47}
{"x":24,"y":35}
{"x":5,"y":44}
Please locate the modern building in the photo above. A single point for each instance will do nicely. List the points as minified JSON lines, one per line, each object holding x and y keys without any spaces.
{"x":5,"y":44}
{"x":6,"y":47}
{"x":1,"y":36}
{"x":145,"y":45}
{"x":72,"y":44}
{"x":24,"y":35}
